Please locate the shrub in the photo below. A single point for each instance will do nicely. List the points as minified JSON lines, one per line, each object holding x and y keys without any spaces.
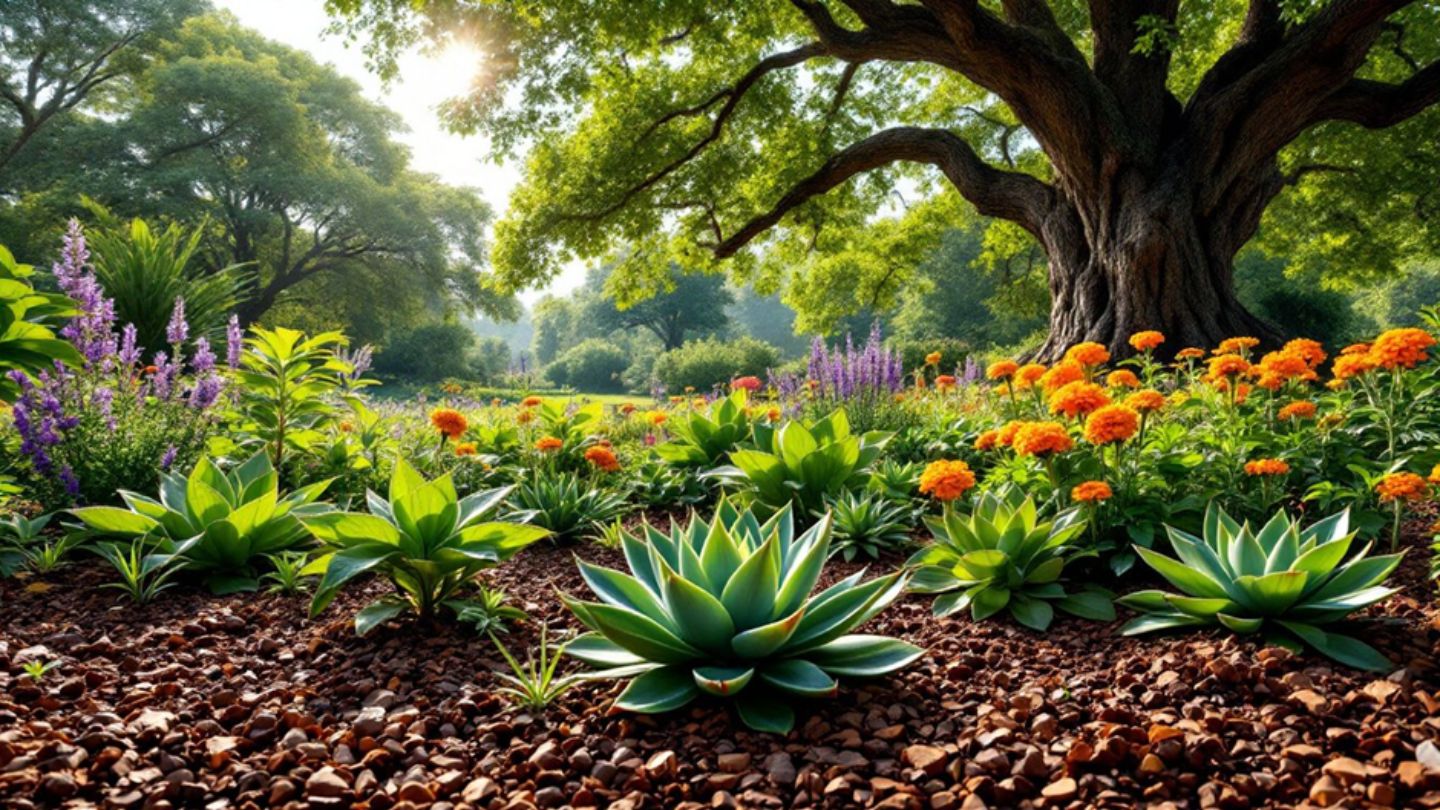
{"x":429,"y":353}
{"x":593,"y":365}
{"x":27,"y":342}
{"x":288,"y":385}
{"x":216,"y":523}
{"x":868,"y":523}
{"x":702,"y":436}
{"x":1281,"y":581}
{"x":1003,"y":556}
{"x":725,"y":608}
{"x":424,"y":538}
{"x":704,"y":364}
{"x":565,"y":505}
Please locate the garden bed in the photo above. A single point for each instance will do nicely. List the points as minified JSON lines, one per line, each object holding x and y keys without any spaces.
{"x":241,"y":701}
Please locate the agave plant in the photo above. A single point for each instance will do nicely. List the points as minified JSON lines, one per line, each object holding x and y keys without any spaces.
{"x":566,"y":506}
{"x":1003,"y":556}
{"x":1282,"y":582}
{"x":425,"y":538}
{"x":217,"y":523}
{"x":803,"y":462}
{"x":702,"y":436}
{"x":868,"y":523}
{"x":725,"y":608}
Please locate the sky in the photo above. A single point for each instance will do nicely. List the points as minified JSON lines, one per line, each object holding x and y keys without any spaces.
{"x":424,"y":81}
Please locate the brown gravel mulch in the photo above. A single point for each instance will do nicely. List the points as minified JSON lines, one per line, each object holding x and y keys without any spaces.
{"x":241,"y":701}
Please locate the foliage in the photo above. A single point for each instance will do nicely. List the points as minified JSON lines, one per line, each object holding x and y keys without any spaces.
{"x":23,"y":545}
{"x":287,"y":382}
{"x":286,"y":575}
{"x":490,"y":612}
{"x":145,"y":272}
{"x":28,"y":343}
{"x":593,"y":365}
{"x":700,"y":437}
{"x":427,"y":540}
{"x":36,"y":670}
{"x":701,"y":365}
{"x":533,"y":685}
{"x":429,"y":353}
{"x":681,"y":304}
{"x":725,"y":608}
{"x":1282,"y":581}
{"x":144,"y":574}
{"x":868,"y":523}
{"x":216,"y":522}
{"x":565,"y":505}
{"x":656,"y":483}
{"x":1003,"y":555}
{"x":803,"y":462}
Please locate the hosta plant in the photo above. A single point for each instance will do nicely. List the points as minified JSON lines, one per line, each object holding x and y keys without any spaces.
{"x":1281,"y":581}
{"x":725,"y":608}
{"x":702,"y":436}
{"x":803,"y":462}
{"x":217,"y":523}
{"x":868,"y":523}
{"x":429,"y":542}
{"x":1001,"y":556}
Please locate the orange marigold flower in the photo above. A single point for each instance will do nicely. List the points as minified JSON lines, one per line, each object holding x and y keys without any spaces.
{"x":932,"y":359}
{"x":628,"y":408}
{"x":1112,"y":423}
{"x":1123,"y":378}
{"x":773,"y":415}
{"x":1002,"y":370}
{"x":1146,"y":401}
{"x":986,"y":440}
{"x":347,"y":426}
{"x":603,"y":458}
{"x":531,"y":401}
{"x":1285,"y":366}
{"x":1356,"y":348}
{"x":449,"y":421}
{"x":1351,"y":365}
{"x":1237,"y":345}
{"x":546,"y":444}
{"x":1005,"y":436}
{"x":465,"y":449}
{"x":1306,"y":349}
{"x":749,"y":382}
{"x":1061,"y":374}
{"x":1147,"y":340}
{"x":1299,"y":409}
{"x":1042,"y":438}
{"x":1078,"y":399}
{"x":1091,"y":492}
{"x":945,"y":381}
{"x":946,"y":480}
{"x":1029,"y":374}
{"x":1402,"y":486}
{"x":1401,"y":348}
{"x":657,"y":418}
{"x":1088,"y":353}
{"x":1228,"y":365}
{"x":1267,"y":466}
{"x":525,"y":417}
{"x":1190,"y":353}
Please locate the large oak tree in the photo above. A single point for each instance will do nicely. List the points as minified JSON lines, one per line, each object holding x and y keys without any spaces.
{"x":1138,"y":142}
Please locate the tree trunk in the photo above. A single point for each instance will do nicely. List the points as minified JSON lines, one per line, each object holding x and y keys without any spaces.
{"x":1143,"y":261}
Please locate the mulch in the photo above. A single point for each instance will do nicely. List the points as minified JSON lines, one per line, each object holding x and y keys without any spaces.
{"x":242,"y":701}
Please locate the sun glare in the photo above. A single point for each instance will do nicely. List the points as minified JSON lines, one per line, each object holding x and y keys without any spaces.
{"x":452,"y":70}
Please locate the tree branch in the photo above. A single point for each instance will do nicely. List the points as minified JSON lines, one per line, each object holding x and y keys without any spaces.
{"x":1376,"y":105}
{"x":1009,"y":195}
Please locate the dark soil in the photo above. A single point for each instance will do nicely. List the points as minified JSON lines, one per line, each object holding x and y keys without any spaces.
{"x":241,"y":701}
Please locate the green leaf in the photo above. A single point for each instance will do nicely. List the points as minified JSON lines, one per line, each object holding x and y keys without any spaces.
{"x":660,"y":690}
{"x":114,"y":521}
{"x":700,"y":618}
{"x":1344,"y":649}
{"x":799,"y":677}
{"x":986,"y":601}
{"x":641,"y":635}
{"x":598,"y":651}
{"x":1035,"y":614}
{"x":864,"y":656}
{"x":722,"y":681}
{"x":750,"y":594}
{"x":764,"y":712}
{"x":1088,"y":604}
{"x":377,"y":613}
{"x":760,"y":642}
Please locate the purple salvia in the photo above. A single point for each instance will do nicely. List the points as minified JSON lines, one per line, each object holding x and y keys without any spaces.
{"x":168,"y":457}
{"x":177,"y":330}
{"x":234,"y":342}
{"x":103,"y":400}
{"x":203,"y":360}
{"x":129,"y":348}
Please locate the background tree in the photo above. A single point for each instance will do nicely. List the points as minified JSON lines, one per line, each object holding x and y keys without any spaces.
{"x":688,"y":304}
{"x":57,"y":54}
{"x":1138,"y":142}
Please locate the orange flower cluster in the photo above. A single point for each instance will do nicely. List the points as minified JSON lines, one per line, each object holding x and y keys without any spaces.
{"x":749,"y":383}
{"x":531,"y":401}
{"x":1123,"y":378}
{"x":1005,"y":437}
{"x":1078,"y":399}
{"x":1401,"y":348}
{"x":1227,"y":365}
{"x":1147,"y":340}
{"x":932,"y":359}
{"x":1402,"y":486}
{"x":946,"y":480}
{"x":449,"y":421}
{"x":603,"y":458}
{"x":987,"y":440}
{"x":1237,"y":345}
{"x":525,"y":417}
{"x":1029,"y":374}
{"x":546,"y":444}
{"x":1299,"y":409}
{"x":466,"y":449}
{"x":1190,"y":353}
{"x":945,"y":381}
{"x":1041,"y":439}
{"x":1088,"y":353}
{"x":1351,"y":365}
{"x":1111,"y":423}
{"x":1277,"y":368}
{"x":1091,"y":492}
{"x":1267,"y":466}
{"x":1146,"y":401}
{"x":1002,"y":370}
{"x":1061,"y":375}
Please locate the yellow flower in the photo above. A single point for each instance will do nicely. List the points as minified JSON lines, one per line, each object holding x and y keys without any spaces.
{"x":657,"y":418}
{"x":932,"y":359}
{"x":1091,"y":492}
{"x":946,"y":480}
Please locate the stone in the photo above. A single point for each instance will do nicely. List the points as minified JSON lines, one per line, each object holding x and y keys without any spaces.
{"x":1326,"y":792}
{"x":1152,"y":764}
{"x":780,"y":769}
{"x":1314,"y":702}
{"x":416,"y":793}
{"x":1348,"y":771}
{"x":662,"y":763}
{"x":926,"y":758}
{"x":479,"y":791}
{"x":326,"y":783}
{"x":737,"y":762}
{"x":1061,"y":790}
{"x":1428,"y":754}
